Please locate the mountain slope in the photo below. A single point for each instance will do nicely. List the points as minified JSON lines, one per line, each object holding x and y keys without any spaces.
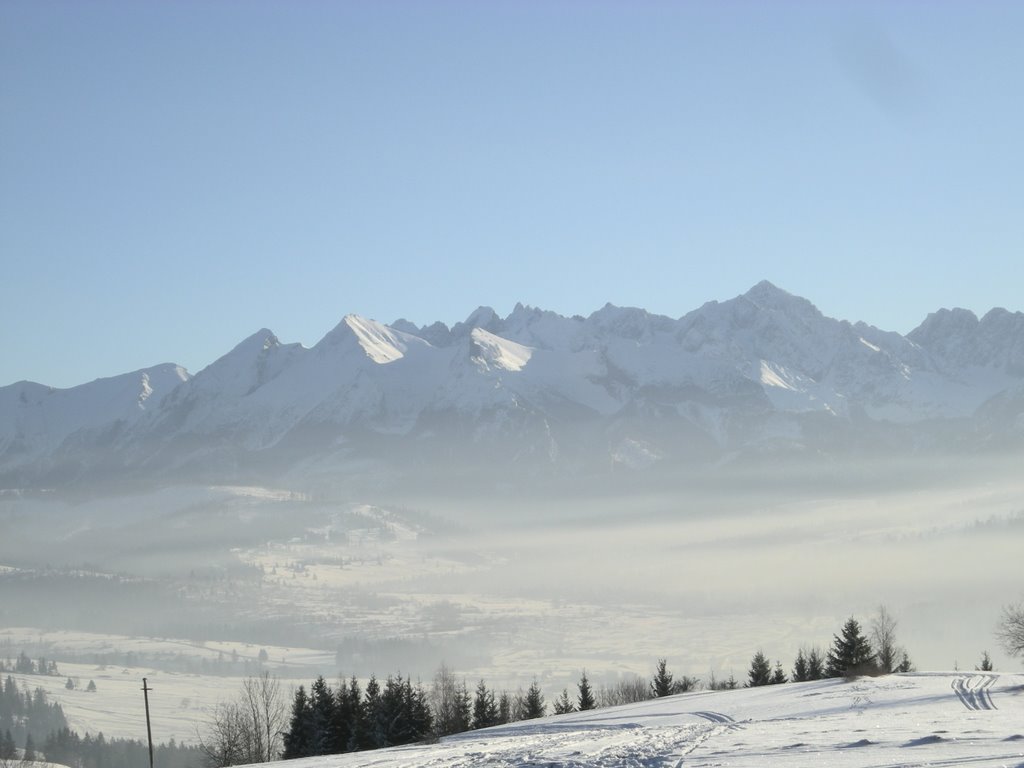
{"x":762,"y":373}
{"x":914,"y":719}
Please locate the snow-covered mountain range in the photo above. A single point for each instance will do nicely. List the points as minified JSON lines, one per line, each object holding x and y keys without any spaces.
{"x":537,"y":392}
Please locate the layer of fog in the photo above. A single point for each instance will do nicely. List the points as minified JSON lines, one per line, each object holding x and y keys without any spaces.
{"x":513,"y":585}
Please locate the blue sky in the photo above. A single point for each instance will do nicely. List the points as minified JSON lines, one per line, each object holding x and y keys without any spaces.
{"x":174,"y":176}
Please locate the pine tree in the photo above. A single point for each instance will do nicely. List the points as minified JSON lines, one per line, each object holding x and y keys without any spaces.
{"x":662,"y":683}
{"x":91,"y":687}
{"x":504,"y":708}
{"x":346,"y":711}
{"x":585,"y":700}
{"x":815,"y":665}
{"x":850,"y":654}
{"x":563,"y":705}
{"x":986,"y":663}
{"x":778,"y":676}
{"x":800,"y":671}
{"x":29,"y":755}
{"x":463,"y":708}
{"x":8,"y":749}
{"x":393,"y":717}
{"x":534,"y":702}
{"x":422,"y":721}
{"x":485,"y":708}
{"x":299,"y":740}
{"x":357,"y":728}
{"x":322,"y":704}
{"x":371,"y":715}
{"x":760,"y":671}
{"x":905,"y":665}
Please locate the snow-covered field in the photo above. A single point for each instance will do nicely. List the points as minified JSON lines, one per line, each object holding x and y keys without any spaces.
{"x":178,"y":703}
{"x":926,"y":719}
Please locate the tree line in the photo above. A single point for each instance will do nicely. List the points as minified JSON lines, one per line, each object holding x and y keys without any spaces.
{"x":323,"y":719}
{"x":851,"y":654}
{"x":27,"y":717}
{"x":24,"y":665}
{"x":31,"y":720}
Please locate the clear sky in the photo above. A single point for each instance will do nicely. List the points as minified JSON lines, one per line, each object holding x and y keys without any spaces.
{"x":176,"y":175}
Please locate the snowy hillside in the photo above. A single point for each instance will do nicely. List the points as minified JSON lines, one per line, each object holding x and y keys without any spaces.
{"x":763,"y":373}
{"x":937,"y":719}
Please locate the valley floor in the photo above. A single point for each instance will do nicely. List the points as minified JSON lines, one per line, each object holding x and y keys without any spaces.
{"x":919,"y":719}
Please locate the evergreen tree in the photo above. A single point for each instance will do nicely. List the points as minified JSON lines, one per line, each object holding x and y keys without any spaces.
{"x":29,"y":755}
{"x":662,"y":683}
{"x":800,"y":671}
{"x":778,"y":676}
{"x":393,"y":716}
{"x":70,"y":684}
{"x":534,"y":702}
{"x":905,"y":665}
{"x":299,"y":741}
{"x":815,"y":665}
{"x":760,"y":671}
{"x":346,"y":712}
{"x":422,"y":721}
{"x":371,"y":710}
{"x":322,"y":704}
{"x":485,"y":708}
{"x":851,"y":653}
{"x":504,"y":708}
{"x":563,"y":705}
{"x":91,"y":687}
{"x":357,"y":727}
{"x":986,"y":663}
{"x":463,"y":708}
{"x":585,"y":700}
{"x":8,"y":749}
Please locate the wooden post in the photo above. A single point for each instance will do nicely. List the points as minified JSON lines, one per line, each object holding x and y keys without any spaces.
{"x":149,"y":731}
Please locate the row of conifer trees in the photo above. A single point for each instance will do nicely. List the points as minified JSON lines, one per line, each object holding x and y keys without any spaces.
{"x":350,"y":718}
{"x":397,"y":711}
{"x":852,"y":653}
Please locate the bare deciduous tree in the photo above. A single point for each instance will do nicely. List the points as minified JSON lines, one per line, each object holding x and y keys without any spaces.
{"x":626,"y":691}
{"x":247,"y":729}
{"x":449,"y":702}
{"x":883,"y":638}
{"x":223,"y":742}
{"x":1011,"y":629}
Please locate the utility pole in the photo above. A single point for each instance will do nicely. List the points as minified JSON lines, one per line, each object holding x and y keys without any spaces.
{"x":149,"y":731}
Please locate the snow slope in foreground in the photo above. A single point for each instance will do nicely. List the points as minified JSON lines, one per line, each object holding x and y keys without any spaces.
{"x":937,"y":719}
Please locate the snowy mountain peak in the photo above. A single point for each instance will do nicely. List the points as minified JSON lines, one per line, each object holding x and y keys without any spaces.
{"x":765,"y":368}
{"x":956,"y":338}
{"x":768,"y":297}
{"x":260,"y":341}
{"x":495,"y":352}
{"x":381,"y":344}
{"x":481,"y":317}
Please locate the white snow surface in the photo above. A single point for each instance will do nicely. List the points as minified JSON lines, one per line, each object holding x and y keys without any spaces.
{"x":501,"y":353}
{"x":40,"y":418}
{"x":766,"y":350}
{"x":926,"y":719}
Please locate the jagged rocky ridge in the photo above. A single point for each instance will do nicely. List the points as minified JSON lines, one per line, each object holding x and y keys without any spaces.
{"x":534,"y":392}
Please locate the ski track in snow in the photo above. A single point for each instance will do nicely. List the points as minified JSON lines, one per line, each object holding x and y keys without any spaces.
{"x":973,"y":690}
{"x":718,"y":717}
{"x":625,"y":746}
